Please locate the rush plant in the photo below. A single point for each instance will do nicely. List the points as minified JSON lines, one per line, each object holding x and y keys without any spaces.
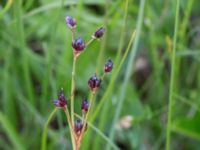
{"x":78,"y":126}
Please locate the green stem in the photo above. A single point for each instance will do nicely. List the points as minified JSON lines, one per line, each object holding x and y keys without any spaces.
{"x":73,"y":89}
{"x":73,"y":135}
{"x":172,"y":83}
{"x":89,"y":42}
{"x":44,"y":133}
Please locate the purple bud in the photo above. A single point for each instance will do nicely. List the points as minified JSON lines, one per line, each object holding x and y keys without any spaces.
{"x":78,"y":126}
{"x":94,"y":83}
{"x":61,"y":102}
{"x":108,"y":66}
{"x":71,"y":23}
{"x":99,"y":33}
{"x":85,"y":106}
{"x":78,"y":45}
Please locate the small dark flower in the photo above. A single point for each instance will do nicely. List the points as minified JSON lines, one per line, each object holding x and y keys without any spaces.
{"x":99,"y":33}
{"x":94,"y":83}
{"x":78,"y":126}
{"x":108,"y":66}
{"x":71,"y":23}
{"x":85,"y":106}
{"x":61,"y":102}
{"x":78,"y":45}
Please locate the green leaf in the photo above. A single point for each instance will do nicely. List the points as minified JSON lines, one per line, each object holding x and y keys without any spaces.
{"x":188,"y":127}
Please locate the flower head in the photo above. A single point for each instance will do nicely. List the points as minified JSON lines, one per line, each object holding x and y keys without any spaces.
{"x":78,"y":126}
{"x":99,"y":33}
{"x":85,"y":106}
{"x":94,"y":83}
{"x":61,"y":102}
{"x":78,"y":45}
{"x":71,"y":23}
{"x":108,"y":66}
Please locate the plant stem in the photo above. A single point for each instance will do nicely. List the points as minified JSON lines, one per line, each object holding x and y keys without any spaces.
{"x":73,"y":88}
{"x":73,"y":35}
{"x":73,"y":135}
{"x":89,"y":42}
{"x":172,"y":83}
{"x":44,"y":133}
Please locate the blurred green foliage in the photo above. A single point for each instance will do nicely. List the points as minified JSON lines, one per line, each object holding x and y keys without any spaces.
{"x":36,"y":61}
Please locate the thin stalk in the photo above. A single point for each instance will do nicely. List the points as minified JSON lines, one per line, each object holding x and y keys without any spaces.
{"x":89,"y":42}
{"x":172,"y":83}
{"x":44,"y":133}
{"x":73,"y":88}
{"x":127,"y":73}
{"x":73,"y":35}
{"x":73,"y":135}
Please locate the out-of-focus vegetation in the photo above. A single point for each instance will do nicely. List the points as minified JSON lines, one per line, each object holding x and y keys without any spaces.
{"x":36,"y":61}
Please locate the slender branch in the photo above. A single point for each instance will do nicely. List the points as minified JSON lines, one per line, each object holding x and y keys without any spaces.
{"x":73,"y":135}
{"x":172,"y":79}
{"x":89,"y":42}
{"x":73,"y":35}
{"x":44,"y":133}
{"x":102,"y":77}
{"x":73,"y":88}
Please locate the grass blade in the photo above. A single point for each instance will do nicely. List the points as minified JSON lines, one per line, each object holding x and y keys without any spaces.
{"x":172,"y":78}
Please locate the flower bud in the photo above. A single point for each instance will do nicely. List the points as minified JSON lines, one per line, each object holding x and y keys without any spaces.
{"x":99,"y":33}
{"x":61,"y":102}
{"x":94,"y":83}
{"x":108,"y":66}
{"x":78,"y":126}
{"x":78,"y":45}
{"x":71,"y":23}
{"x":85,"y":106}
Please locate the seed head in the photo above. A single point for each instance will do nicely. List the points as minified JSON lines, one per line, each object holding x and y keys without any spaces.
{"x":61,"y":102}
{"x":85,"y":106}
{"x":78,"y":126}
{"x":94,"y":83}
{"x":78,"y":45}
{"x":108,"y":66}
{"x":99,"y":33}
{"x":71,"y":23}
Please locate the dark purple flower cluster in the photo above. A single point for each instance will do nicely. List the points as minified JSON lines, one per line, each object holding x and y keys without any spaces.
{"x":71,"y":23}
{"x":99,"y":33}
{"x":94,"y":83}
{"x":85,"y":106}
{"x":78,"y":45}
{"x":61,"y":102}
{"x":108,"y":66}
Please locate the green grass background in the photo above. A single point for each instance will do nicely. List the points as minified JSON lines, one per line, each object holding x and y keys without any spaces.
{"x":36,"y":61}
